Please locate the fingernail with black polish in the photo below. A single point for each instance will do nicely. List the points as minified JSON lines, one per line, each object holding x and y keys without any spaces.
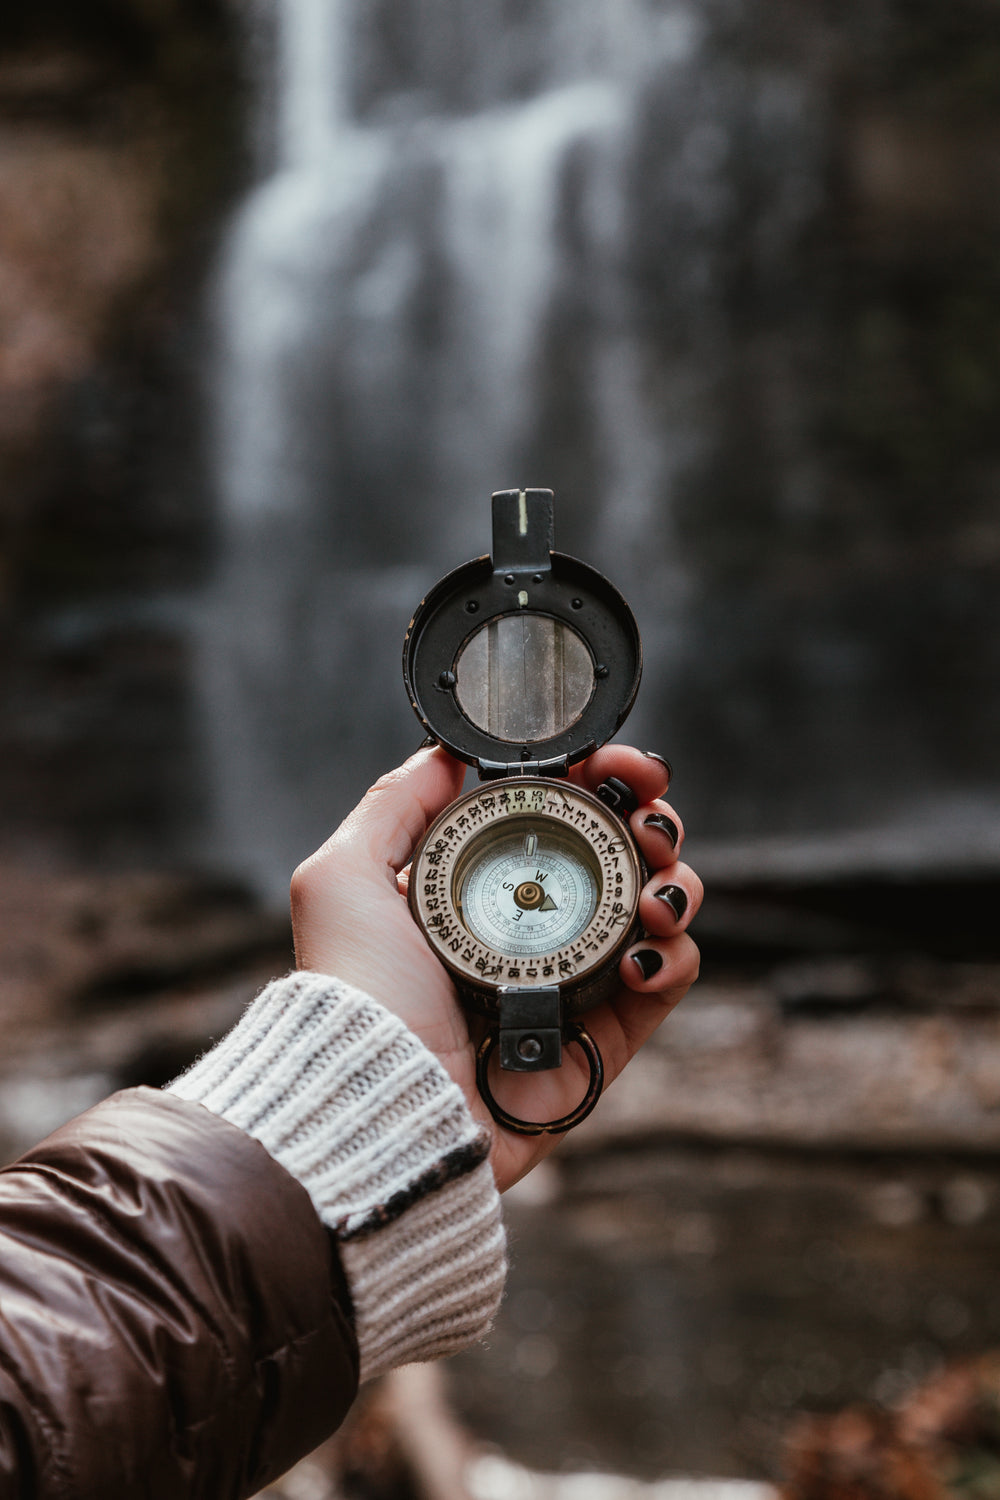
{"x":652,"y":755}
{"x":664,"y":824}
{"x":674,"y":897}
{"x":649,"y":962}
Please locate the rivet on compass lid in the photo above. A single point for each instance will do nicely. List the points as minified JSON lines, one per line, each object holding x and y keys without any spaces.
{"x":526,"y":660}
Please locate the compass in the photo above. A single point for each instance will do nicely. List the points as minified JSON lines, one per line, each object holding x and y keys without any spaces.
{"x":527,"y":886}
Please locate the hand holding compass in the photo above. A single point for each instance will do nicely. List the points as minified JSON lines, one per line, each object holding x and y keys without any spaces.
{"x":350,"y":916}
{"x":532,"y":869}
{"x":527,"y":888}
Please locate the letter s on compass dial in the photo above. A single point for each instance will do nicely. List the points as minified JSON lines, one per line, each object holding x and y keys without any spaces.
{"x":528,"y":882}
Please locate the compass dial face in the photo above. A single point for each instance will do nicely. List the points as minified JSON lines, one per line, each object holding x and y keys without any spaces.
{"x":529,"y":890}
{"x":526,"y":882}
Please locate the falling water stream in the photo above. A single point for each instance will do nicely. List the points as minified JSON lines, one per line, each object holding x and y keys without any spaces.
{"x":593,"y":248}
{"x":383,"y":304}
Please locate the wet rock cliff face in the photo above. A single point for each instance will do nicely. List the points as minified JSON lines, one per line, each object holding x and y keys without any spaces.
{"x":117,"y":151}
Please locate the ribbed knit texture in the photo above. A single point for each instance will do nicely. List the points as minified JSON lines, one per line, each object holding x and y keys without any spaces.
{"x":353,"y":1105}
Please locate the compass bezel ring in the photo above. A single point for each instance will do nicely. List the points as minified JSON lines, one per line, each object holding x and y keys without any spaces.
{"x":578,"y":959}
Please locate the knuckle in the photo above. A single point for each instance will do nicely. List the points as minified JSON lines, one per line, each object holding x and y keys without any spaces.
{"x":309,"y":877}
{"x":688,"y":964}
{"x":300,"y":885}
{"x":387,"y":782}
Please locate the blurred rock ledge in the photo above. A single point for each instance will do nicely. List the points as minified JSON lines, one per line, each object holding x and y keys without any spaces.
{"x":119,"y":979}
{"x":835,"y":1014}
{"x":729,"y":1066}
{"x":831,"y":1016}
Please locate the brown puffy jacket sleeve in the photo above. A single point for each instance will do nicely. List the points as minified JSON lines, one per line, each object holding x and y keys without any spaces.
{"x":173,"y":1319}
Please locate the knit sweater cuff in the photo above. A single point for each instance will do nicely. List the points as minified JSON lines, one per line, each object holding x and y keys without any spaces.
{"x":347,"y":1099}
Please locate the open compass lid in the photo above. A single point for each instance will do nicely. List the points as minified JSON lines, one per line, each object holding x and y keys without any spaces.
{"x":527,"y":660}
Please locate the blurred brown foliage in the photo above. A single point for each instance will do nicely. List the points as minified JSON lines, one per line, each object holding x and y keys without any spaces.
{"x":941,"y":1443}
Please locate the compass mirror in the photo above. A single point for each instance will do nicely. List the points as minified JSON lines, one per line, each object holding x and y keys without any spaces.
{"x":524,"y":677}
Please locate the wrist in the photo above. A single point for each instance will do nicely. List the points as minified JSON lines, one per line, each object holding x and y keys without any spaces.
{"x":354,"y":1106}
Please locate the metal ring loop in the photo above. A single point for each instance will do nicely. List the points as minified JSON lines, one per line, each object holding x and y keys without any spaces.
{"x":574,"y":1033}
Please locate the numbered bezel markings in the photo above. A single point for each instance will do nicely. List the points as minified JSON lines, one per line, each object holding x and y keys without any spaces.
{"x":433,"y":895}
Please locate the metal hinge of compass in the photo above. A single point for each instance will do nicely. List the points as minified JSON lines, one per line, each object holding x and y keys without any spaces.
{"x":492,"y":770}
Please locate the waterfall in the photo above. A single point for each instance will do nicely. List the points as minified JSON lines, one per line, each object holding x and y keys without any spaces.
{"x":385,"y":304}
{"x":593,"y":248}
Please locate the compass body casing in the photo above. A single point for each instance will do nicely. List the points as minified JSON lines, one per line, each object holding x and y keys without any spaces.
{"x":521,"y":664}
{"x":486,"y":869}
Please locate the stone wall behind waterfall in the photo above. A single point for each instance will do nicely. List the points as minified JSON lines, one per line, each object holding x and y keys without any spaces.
{"x":120,"y":150}
{"x":722,"y":275}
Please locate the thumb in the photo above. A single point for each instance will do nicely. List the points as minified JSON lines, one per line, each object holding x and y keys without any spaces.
{"x":387,"y":824}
